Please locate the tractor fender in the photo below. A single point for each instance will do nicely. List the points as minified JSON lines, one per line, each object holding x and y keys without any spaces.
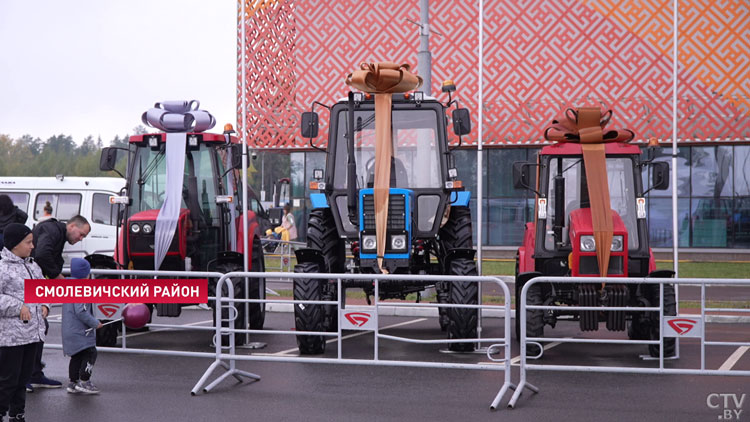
{"x":229,"y":257}
{"x":457,"y":253}
{"x":311,"y":255}
{"x":522,"y":278}
{"x":101,"y":261}
{"x":661,"y":274}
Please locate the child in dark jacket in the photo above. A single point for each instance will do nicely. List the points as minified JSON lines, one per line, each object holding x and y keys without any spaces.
{"x":79,"y":336}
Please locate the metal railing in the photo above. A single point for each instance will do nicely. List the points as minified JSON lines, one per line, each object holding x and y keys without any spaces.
{"x":228,"y":357}
{"x":698,"y":322}
{"x":283,"y":250}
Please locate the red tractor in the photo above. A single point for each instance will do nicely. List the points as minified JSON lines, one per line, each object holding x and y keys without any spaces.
{"x":209,"y":233}
{"x":588,"y":183}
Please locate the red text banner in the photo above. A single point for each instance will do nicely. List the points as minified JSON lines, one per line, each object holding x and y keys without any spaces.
{"x":114,"y":290}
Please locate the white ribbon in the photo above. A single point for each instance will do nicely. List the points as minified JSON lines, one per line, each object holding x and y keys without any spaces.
{"x":177,"y":118}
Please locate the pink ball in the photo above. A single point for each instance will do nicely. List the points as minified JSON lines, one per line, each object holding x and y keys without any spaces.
{"x":136,"y":315}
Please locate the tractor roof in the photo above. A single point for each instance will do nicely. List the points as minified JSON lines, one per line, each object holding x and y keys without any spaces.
{"x":206,"y":137}
{"x":574,"y":148}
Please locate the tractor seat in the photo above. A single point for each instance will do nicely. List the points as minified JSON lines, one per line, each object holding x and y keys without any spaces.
{"x":399,"y":176}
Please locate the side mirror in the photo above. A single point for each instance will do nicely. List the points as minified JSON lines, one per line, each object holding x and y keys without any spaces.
{"x":461,"y":121}
{"x":236,"y":151}
{"x":660,"y":175}
{"x":309,"y":126}
{"x":108,"y":159}
{"x":521,"y":176}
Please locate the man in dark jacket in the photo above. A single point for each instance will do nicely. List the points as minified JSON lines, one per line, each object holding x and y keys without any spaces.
{"x":9,"y":213}
{"x":49,"y":240}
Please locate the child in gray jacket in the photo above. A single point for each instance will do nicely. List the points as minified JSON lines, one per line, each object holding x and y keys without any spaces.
{"x":79,"y":336}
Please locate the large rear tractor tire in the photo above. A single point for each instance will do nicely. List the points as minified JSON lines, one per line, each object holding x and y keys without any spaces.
{"x":462,"y":322}
{"x":534,"y":317}
{"x":309,"y":317}
{"x":670,"y":309}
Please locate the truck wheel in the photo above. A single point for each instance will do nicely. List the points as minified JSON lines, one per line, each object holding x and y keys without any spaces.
{"x":463,"y":322}
{"x":670,"y":309}
{"x":443,"y":296}
{"x":534,"y":317}
{"x":309,"y":317}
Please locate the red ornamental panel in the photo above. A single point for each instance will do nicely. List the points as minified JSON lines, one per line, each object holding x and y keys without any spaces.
{"x":539,"y":57}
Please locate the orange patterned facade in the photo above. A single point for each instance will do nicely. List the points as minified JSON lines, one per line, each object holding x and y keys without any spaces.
{"x":539,"y":57}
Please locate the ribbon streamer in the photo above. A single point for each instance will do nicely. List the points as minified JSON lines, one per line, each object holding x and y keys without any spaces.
{"x":586,"y":126}
{"x":383,"y":79}
{"x":177,"y":118}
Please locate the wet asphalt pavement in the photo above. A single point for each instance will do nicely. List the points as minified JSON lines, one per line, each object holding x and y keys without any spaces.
{"x":137,"y":387}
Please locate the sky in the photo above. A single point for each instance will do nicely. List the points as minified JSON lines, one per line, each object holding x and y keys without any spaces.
{"x":88,"y":67}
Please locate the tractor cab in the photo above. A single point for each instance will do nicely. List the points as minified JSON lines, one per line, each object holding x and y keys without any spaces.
{"x":397,"y":146}
{"x":576,"y":208}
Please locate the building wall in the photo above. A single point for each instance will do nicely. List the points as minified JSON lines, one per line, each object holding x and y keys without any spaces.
{"x":540,"y":57}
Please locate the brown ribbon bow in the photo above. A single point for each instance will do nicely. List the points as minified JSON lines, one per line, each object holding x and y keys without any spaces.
{"x":586,"y":126}
{"x":382,"y":79}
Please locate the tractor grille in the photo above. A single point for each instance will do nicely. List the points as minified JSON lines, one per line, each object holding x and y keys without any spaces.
{"x":396,"y":212}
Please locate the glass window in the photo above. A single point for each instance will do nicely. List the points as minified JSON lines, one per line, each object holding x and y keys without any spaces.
{"x":741,"y":175}
{"x":683,"y":171}
{"x":621,"y":194}
{"x":500,"y":164}
{"x":741,"y":222}
{"x":416,"y":154}
{"x":507,"y":218}
{"x":102,"y":211}
{"x":711,"y":171}
{"x":64,"y":205}
{"x":711,"y":221}
{"x":21,"y":200}
{"x":297,"y":163}
{"x":660,"y":222}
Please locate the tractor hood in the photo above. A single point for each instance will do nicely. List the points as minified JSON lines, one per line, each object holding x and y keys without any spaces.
{"x":581,"y":226}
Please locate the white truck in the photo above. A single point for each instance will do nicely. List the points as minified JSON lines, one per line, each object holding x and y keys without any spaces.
{"x":69,"y":196}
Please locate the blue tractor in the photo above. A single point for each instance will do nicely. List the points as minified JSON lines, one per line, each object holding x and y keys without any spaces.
{"x":428,"y":228}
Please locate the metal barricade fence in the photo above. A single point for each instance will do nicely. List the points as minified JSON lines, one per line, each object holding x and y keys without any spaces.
{"x":123,"y":345}
{"x":283,"y":250}
{"x":228,"y":357}
{"x":698,"y":322}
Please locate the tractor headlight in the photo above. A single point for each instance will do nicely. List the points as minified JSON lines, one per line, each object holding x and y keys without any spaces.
{"x":368,"y":242}
{"x":588,"y":244}
{"x":398,"y":242}
{"x":148,"y":228}
{"x":135,"y":228}
{"x":617,"y":243}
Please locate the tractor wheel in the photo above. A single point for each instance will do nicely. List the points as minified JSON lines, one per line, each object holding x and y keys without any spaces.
{"x":534,"y":317}
{"x":309,"y":317}
{"x":670,"y":309}
{"x":457,"y":232}
{"x":463,"y":322}
{"x":322,"y":235}
{"x":107,"y":335}
{"x":257,"y":288}
{"x":443,"y":296}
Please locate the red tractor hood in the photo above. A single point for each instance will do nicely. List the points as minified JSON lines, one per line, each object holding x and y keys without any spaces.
{"x":580,"y":222}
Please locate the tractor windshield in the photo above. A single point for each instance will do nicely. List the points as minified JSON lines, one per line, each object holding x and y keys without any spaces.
{"x":416,"y":162}
{"x":149,"y":178}
{"x":621,"y":194}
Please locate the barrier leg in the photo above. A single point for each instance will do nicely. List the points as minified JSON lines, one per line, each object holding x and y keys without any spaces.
{"x":205,"y":376}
